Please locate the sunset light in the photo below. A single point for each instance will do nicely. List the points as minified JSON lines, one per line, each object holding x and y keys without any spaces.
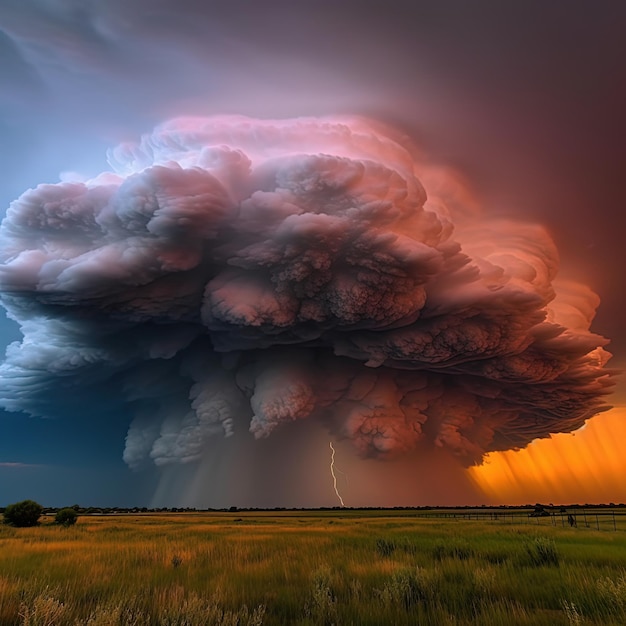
{"x":586,"y":466}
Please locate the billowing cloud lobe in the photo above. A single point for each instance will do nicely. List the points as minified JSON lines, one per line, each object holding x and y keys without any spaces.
{"x":233,"y":270}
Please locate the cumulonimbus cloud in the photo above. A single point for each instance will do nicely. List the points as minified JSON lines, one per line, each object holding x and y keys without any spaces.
{"x":292,"y":269}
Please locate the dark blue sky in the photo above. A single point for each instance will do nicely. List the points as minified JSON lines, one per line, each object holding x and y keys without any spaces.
{"x":526,"y":99}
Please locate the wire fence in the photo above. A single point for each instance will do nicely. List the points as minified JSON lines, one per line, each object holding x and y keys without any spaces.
{"x":579,"y":518}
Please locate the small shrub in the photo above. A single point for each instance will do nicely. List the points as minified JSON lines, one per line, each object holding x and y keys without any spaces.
{"x":385,"y":547}
{"x":66,"y":517}
{"x":43,"y":611}
{"x":614,"y":591}
{"x":406,"y":588}
{"x":23,"y":514}
{"x":542,"y":551}
{"x":177,"y":560}
{"x":322,"y":605}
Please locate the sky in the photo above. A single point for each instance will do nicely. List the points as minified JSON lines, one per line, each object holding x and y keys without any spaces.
{"x":513,"y":111}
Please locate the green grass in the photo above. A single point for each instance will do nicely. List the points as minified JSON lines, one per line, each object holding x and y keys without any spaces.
{"x":310,"y":568}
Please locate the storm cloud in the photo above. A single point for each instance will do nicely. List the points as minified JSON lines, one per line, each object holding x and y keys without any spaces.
{"x":239,"y":273}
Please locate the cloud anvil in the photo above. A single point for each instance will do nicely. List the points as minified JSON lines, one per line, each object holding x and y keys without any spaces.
{"x":232,"y":270}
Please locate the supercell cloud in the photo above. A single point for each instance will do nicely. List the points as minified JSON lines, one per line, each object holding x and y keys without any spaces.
{"x":233,"y":273}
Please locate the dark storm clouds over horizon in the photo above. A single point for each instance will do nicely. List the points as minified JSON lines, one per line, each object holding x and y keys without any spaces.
{"x":525,"y":100}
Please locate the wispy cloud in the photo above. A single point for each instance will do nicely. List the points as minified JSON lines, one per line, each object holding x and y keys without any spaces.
{"x":15,"y":465}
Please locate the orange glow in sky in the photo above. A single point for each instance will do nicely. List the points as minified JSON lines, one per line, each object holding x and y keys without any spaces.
{"x":587,"y":466}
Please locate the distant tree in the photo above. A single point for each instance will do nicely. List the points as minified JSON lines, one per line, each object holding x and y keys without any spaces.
{"x":66,"y":517}
{"x":23,"y":514}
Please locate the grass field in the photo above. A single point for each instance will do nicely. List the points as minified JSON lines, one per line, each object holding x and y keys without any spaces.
{"x":335,"y":567}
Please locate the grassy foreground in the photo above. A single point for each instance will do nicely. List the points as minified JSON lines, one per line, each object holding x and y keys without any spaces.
{"x":339,"y":567}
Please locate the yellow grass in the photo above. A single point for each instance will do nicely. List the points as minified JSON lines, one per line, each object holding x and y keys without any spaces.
{"x":309,"y":568}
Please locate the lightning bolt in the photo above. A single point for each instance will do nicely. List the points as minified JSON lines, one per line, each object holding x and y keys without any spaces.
{"x":332,"y":473}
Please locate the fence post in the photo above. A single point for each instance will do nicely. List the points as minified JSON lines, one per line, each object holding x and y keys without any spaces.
{"x":614,"y":526}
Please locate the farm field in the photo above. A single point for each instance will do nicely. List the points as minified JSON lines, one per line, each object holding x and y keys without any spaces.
{"x":315,"y":567}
